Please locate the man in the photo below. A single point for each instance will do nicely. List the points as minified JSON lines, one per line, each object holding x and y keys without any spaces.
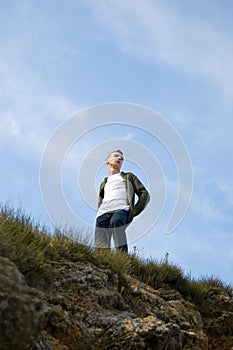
{"x":116,"y":204}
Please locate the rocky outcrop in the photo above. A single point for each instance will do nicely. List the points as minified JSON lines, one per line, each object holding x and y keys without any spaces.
{"x":85,"y":307}
{"x":21,"y":309}
{"x":86,"y":302}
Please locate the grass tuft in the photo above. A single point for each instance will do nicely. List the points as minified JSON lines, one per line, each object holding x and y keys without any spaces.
{"x":159,"y":274}
{"x":31,"y":248}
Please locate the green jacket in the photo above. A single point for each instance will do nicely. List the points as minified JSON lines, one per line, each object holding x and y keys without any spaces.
{"x":133,"y":186}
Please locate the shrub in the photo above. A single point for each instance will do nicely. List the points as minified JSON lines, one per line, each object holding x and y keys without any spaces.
{"x":31,"y":248}
{"x":156,"y":274}
{"x":162,"y":274}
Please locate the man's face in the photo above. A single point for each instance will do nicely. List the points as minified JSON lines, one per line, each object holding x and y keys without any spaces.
{"x":115,"y":159}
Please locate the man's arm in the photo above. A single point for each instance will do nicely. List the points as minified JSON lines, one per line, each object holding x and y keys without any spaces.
{"x":143,"y":195}
{"x":101,"y":192}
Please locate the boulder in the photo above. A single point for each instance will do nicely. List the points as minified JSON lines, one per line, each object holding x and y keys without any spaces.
{"x":21,"y":309}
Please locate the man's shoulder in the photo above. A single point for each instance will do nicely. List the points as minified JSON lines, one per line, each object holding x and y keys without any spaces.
{"x":128,"y":176}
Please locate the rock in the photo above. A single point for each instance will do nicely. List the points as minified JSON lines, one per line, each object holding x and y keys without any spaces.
{"x":20,"y":309}
{"x":86,"y":311}
{"x":84,"y":307}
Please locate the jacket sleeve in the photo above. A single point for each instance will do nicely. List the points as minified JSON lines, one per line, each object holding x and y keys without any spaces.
{"x":101,"y":192}
{"x":143,"y":196}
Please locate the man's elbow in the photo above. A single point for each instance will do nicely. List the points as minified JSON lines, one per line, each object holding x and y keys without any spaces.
{"x":148,"y":198}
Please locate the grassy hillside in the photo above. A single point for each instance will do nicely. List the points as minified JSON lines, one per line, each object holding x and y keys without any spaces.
{"x":31,"y":247}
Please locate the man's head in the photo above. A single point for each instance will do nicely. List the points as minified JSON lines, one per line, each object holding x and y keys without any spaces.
{"x":115,"y":160}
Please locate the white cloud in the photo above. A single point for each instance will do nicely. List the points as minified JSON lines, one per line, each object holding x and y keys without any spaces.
{"x":206,"y":209}
{"x":152,"y":31}
{"x":130,"y":136}
{"x":29,"y":112}
{"x":9,"y":125}
{"x":226,"y":187}
{"x":27,"y":131}
{"x":213,"y":197}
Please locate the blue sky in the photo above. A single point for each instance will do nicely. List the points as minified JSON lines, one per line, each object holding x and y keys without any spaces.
{"x":174,"y":57}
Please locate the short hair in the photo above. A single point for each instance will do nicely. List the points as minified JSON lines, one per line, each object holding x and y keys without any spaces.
{"x":118,"y":151}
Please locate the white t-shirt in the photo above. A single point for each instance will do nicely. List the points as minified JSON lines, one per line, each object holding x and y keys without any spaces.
{"x":115,"y":196}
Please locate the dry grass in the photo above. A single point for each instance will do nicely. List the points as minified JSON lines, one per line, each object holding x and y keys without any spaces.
{"x":31,"y":248}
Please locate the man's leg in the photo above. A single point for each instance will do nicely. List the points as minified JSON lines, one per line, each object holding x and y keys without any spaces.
{"x":103,"y":231}
{"x":118,"y":224}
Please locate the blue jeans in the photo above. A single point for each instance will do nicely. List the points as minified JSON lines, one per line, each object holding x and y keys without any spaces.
{"x":112,"y":224}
